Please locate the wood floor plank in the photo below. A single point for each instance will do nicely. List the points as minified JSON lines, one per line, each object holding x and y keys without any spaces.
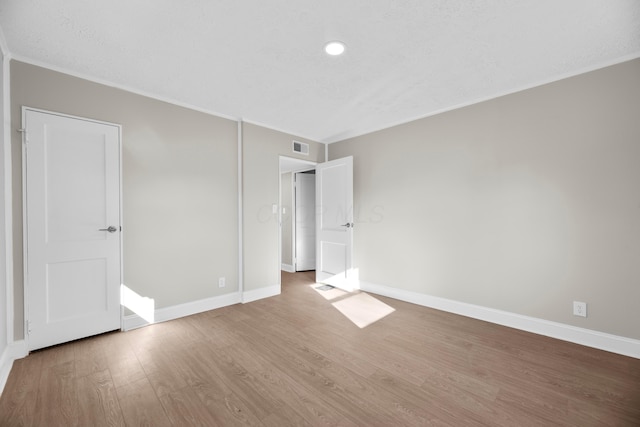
{"x":244,"y":384}
{"x":410,"y":397}
{"x":311,"y":407}
{"x":140,"y":405}
{"x":368,"y":395}
{"x":217,"y":329}
{"x":303,"y":370}
{"x":57,"y":400}
{"x":185,"y":409}
{"x":162,"y":373}
{"x":587,"y":414}
{"x":386,"y":356}
{"x":125,"y":370}
{"x":90,"y":356}
{"x":97,"y":401}
{"x":227,"y":409}
{"x":17,"y":405}
{"x":294,"y":359}
{"x":550,"y":411}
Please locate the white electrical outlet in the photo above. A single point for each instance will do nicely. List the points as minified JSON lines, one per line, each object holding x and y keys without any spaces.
{"x":580,"y":309}
{"x":221,"y":282}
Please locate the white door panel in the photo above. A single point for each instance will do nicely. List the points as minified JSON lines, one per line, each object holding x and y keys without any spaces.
{"x":334,"y":257}
{"x":73,"y":218}
{"x":334,"y":199}
{"x":334,"y":223}
{"x":69,"y":278}
{"x":72,"y":190}
{"x":305,"y":199}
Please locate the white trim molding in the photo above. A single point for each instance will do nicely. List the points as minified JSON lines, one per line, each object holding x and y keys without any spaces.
{"x":587,"y":337}
{"x":134,"y":321}
{"x":261,"y":293}
{"x":288,"y":268}
{"x":6,"y":362}
{"x":15,"y":350}
{"x":240,"y":211}
{"x":147,"y":94}
{"x":124,"y":87}
{"x":6,"y":192}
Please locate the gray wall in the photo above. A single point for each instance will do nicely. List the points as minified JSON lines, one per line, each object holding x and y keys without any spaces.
{"x":286,"y":198}
{"x":179,"y":186}
{"x":262,"y":149}
{"x":523,"y":203}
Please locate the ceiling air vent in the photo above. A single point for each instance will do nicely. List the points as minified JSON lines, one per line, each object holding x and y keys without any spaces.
{"x":300,"y":147}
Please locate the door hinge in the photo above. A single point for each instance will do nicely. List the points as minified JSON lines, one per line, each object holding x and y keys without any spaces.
{"x":24,"y":135}
{"x":28,"y":327}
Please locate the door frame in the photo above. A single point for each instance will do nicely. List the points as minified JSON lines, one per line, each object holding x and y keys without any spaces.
{"x":304,"y":165}
{"x":294,"y":217}
{"x":25,"y":230}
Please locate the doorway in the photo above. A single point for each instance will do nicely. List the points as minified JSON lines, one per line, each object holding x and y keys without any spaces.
{"x":297,"y":215}
{"x":304,"y":220}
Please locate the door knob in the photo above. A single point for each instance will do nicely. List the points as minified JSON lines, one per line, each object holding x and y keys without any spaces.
{"x":110,"y":229}
{"x":348,"y":225}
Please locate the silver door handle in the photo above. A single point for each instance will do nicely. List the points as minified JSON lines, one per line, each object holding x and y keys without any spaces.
{"x":110,"y":229}
{"x":348,"y":225}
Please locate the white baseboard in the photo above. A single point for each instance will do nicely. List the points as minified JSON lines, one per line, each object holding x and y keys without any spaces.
{"x":587,"y":337}
{"x":6,"y":362}
{"x":16,"y":350}
{"x":134,"y":321}
{"x":269,"y":291}
{"x":288,"y":268}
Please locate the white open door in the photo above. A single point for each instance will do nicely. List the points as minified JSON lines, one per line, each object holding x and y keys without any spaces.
{"x":72,"y":227}
{"x":334,"y":223}
{"x":305,"y":202}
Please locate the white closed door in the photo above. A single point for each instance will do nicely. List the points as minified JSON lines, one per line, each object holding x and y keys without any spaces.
{"x":72,"y":194}
{"x":305,"y":199}
{"x":334,"y":223}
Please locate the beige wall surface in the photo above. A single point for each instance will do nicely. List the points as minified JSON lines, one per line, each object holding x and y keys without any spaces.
{"x":262,"y":149}
{"x":286,"y":198}
{"x":523,"y":203}
{"x":180,"y":215}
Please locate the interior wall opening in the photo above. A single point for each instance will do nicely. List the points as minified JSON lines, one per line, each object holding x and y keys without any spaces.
{"x":297,"y":241}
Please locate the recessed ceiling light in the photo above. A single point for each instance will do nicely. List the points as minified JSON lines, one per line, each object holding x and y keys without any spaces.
{"x":334,"y":48}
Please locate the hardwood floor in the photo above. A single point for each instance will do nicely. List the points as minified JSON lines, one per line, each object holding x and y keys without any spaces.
{"x":297,"y":360}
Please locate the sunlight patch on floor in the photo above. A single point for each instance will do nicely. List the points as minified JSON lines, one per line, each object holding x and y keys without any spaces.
{"x":330,"y":294}
{"x":363,"y":309}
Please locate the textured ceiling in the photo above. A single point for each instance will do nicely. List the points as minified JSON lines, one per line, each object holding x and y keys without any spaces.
{"x":262,"y":61}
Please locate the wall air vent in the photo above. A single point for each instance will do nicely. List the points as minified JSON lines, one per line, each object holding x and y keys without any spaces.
{"x":300,"y":147}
